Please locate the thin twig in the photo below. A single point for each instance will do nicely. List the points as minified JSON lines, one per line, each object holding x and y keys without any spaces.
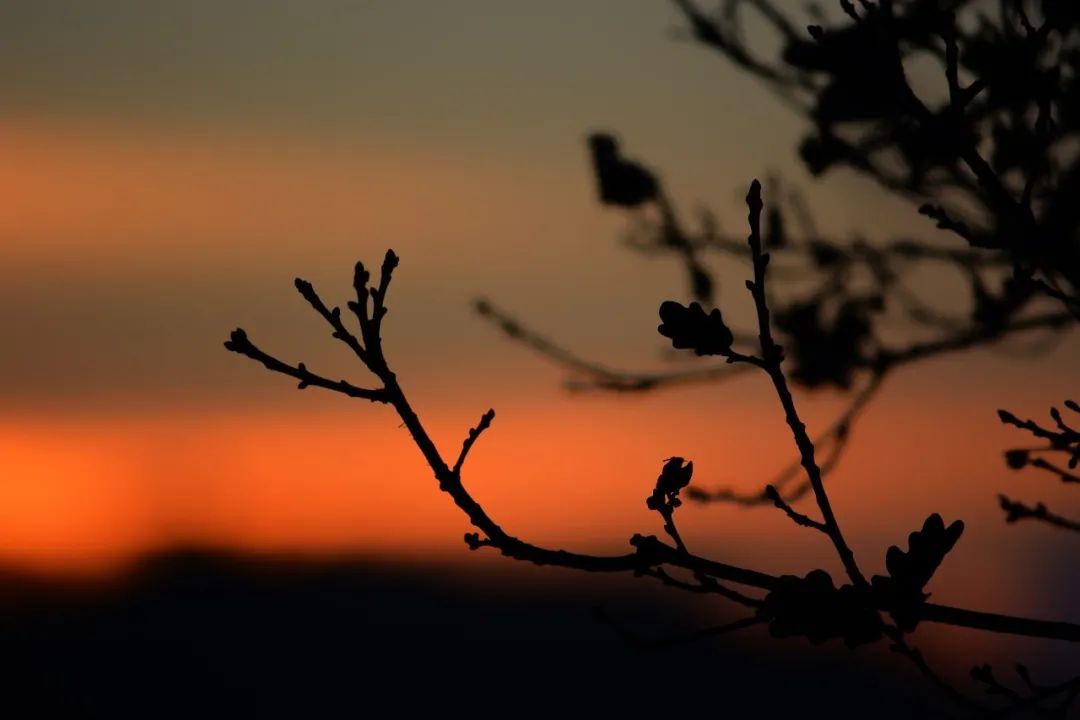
{"x":474,"y":434}
{"x":796,"y":516}
{"x":836,"y":438}
{"x":1016,"y":511}
{"x":599,"y":376}
{"x":772,"y":356}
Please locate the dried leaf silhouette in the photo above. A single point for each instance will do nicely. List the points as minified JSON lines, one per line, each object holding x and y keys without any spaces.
{"x":620,"y":182}
{"x":689,"y":328}
{"x":673,"y":478}
{"x":902,"y":590}
{"x":814,"y":608}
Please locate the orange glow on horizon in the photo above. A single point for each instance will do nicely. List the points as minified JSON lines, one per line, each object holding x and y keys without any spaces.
{"x":86,"y":496}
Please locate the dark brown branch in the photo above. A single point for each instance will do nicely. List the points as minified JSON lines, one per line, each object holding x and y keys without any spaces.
{"x":1071,"y":303}
{"x":797,"y":517}
{"x":474,"y":434}
{"x":710,"y":33}
{"x":239,"y":343}
{"x":885,"y":361}
{"x":1064,"y":475}
{"x":649,"y":552}
{"x":599,"y":376}
{"x":890,"y":358}
{"x":772,"y":356}
{"x":1016,"y":511}
{"x":947,"y":222}
{"x":1063,"y":439}
{"x":836,"y":436}
{"x":333,"y":317}
{"x":992,"y":622}
{"x":704,"y":584}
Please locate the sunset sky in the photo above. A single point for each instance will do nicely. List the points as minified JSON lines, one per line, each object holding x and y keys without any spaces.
{"x":168,"y":168}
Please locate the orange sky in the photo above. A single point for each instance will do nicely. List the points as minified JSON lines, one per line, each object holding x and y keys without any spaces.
{"x":130,"y":429}
{"x":86,"y":493}
{"x":134,"y":234}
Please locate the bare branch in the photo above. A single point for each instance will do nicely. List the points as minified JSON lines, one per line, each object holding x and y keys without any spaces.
{"x":649,"y":553}
{"x":474,"y":434}
{"x":1016,"y":511}
{"x":595,"y":375}
{"x":333,"y":317}
{"x":797,"y":517}
{"x":239,"y":343}
{"x":772,"y":355}
{"x":835,"y":439}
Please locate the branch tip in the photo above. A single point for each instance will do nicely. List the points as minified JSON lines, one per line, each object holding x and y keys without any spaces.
{"x":474,"y":434}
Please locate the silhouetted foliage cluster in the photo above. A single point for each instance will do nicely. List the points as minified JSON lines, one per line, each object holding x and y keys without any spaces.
{"x":814,"y":608}
{"x":992,"y":160}
{"x":827,"y":352}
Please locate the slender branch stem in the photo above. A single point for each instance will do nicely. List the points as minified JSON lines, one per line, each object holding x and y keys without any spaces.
{"x":902,"y":646}
{"x":1016,"y":511}
{"x":884,"y":362}
{"x":772,"y":356}
{"x":836,"y":436}
{"x":931,"y":612}
{"x":890,"y":358}
{"x":650,"y":555}
{"x":797,"y":517}
{"x":594,"y":374}
{"x":704,"y":584}
{"x":474,"y":435}
{"x":239,"y":343}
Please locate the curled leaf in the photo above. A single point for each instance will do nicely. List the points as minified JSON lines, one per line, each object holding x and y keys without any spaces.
{"x":689,"y":328}
{"x":814,"y":608}
{"x":909,"y":572}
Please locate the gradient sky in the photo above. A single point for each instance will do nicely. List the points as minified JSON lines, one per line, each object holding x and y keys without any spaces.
{"x":170,"y":167}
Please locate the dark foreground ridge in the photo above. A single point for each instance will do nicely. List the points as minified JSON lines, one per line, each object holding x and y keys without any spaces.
{"x":202,"y":635}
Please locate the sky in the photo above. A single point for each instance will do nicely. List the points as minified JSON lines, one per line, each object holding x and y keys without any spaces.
{"x":169,"y":168}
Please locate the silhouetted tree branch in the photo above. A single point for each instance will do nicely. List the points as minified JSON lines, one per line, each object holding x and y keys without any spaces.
{"x":993,"y":144}
{"x":993,"y":162}
{"x":810,"y":606}
{"x":1062,"y":439}
{"x":1015,"y":511}
{"x":591,"y":375}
